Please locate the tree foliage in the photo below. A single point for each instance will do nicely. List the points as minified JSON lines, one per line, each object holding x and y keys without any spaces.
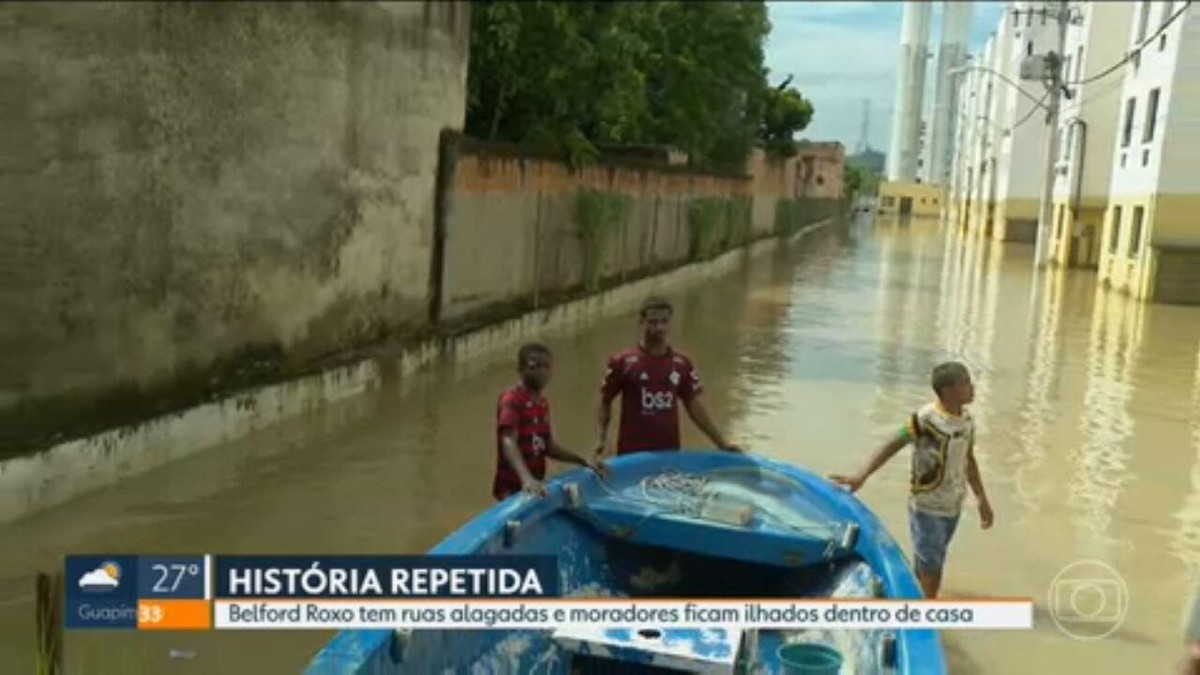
{"x":569,"y":75}
{"x":785,"y":112}
{"x":858,"y":180}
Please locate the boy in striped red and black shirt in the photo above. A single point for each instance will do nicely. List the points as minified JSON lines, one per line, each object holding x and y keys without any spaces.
{"x":523,"y":436}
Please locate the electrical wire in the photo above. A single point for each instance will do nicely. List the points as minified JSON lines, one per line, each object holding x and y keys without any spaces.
{"x":1028,"y":116}
{"x":1136,"y":50}
{"x":1010,"y":82}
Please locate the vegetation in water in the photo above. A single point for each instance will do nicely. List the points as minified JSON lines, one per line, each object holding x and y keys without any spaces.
{"x":49,"y":623}
{"x":707,"y":219}
{"x":787,"y":220}
{"x":599,"y":215}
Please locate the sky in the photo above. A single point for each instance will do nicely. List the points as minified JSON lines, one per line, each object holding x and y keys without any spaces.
{"x":840,"y":53}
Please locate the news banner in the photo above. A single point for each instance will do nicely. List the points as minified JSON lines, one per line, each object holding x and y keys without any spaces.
{"x":219,"y":592}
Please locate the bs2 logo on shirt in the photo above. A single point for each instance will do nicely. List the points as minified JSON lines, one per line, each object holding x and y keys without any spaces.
{"x":655,"y":401}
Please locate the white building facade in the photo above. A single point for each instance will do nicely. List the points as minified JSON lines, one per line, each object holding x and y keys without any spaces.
{"x":1095,"y":40}
{"x":984,"y":121}
{"x":1021,"y":160}
{"x":1151,"y":242}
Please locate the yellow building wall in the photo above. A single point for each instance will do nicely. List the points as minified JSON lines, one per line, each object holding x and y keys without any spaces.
{"x":1011,"y":222}
{"x":1168,"y":220}
{"x":926,"y":199}
{"x":1069,"y":248}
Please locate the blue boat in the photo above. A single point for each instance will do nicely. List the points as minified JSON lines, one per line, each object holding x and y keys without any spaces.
{"x":683,"y":525}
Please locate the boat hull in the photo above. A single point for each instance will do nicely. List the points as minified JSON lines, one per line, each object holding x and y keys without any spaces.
{"x":618,"y":538}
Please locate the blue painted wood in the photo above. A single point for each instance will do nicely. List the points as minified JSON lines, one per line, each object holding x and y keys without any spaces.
{"x":614,"y":545}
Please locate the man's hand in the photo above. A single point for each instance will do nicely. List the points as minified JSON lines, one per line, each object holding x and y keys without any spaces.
{"x":534,"y":487}
{"x":599,"y":467}
{"x":853,"y":481}
{"x":986,"y":517}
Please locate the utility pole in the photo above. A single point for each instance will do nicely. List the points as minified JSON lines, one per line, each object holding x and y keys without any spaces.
{"x":1050,"y":72}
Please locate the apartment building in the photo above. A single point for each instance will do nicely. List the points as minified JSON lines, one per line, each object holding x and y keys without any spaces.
{"x":1151,"y":241}
{"x":1096,"y":39}
{"x":988,"y":121}
{"x":1021,"y":158}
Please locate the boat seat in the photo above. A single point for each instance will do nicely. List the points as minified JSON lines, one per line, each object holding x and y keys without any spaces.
{"x":713,"y":650}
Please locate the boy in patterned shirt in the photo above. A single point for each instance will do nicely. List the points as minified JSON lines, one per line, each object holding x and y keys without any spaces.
{"x":943,"y":465}
{"x":523,"y":436}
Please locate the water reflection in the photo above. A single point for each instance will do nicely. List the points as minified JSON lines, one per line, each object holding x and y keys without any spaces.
{"x":1029,"y":478}
{"x":1101,"y":460}
{"x":1185,"y":542}
{"x":1088,"y":407}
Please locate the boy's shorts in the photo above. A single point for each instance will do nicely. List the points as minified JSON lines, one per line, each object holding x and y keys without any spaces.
{"x":931,"y":537}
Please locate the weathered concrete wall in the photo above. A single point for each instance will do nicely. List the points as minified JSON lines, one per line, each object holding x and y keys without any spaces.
{"x":820,"y":170}
{"x":76,"y":467}
{"x":206,"y":193}
{"x":511,"y":233}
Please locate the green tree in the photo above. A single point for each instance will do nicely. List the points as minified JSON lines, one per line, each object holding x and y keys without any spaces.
{"x":786,"y":112}
{"x":568,"y":75}
{"x":852,"y":180}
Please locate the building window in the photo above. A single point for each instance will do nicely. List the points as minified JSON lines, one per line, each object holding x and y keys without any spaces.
{"x":1145,"y":158}
{"x":1151,"y":116}
{"x":1058,"y":224}
{"x":1135,"y":232}
{"x":1127,"y":130}
{"x":1114,"y":236}
{"x":1079,"y":63}
{"x":1143,"y":22}
{"x":1066,"y":71}
{"x":888,"y":202}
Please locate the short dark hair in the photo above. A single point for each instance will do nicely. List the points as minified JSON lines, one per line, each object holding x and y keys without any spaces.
{"x":652,"y":303}
{"x":948,"y":374}
{"x":529,"y":349}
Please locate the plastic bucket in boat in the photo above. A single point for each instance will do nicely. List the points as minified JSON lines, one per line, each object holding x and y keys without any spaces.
{"x":801,"y":658}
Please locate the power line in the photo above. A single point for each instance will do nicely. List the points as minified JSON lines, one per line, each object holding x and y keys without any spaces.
{"x":1029,"y":115}
{"x":1129,"y":56}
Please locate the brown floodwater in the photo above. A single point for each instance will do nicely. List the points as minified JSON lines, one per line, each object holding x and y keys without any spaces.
{"x":1088,"y":408}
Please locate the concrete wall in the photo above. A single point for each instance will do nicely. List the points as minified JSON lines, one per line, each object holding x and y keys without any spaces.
{"x":204,"y":193}
{"x":820,"y":171}
{"x":512,"y":240}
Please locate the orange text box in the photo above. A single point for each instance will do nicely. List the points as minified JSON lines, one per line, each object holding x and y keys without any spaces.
{"x":174,"y":615}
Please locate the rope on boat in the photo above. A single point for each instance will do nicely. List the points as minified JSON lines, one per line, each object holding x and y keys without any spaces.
{"x":676,"y":492}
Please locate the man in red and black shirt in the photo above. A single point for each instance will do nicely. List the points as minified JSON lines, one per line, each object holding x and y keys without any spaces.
{"x":652,"y":379}
{"x":523,"y":435}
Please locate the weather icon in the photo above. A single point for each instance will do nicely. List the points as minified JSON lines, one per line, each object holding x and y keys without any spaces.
{"x":104,"y":578}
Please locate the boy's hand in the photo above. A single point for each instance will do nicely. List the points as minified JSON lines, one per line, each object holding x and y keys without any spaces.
{"x":598,"y":450}
{"x":534,"y":487}
{"x":732,"y":447}
{"x":598,"y":466}
{"x":853,"y":481}
{"x":985,"y":514}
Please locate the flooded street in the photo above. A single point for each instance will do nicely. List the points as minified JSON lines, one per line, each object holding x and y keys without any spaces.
{"x":1088,"y":408}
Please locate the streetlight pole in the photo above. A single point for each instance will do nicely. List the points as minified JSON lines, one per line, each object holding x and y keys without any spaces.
{"x":1053,"y":79}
